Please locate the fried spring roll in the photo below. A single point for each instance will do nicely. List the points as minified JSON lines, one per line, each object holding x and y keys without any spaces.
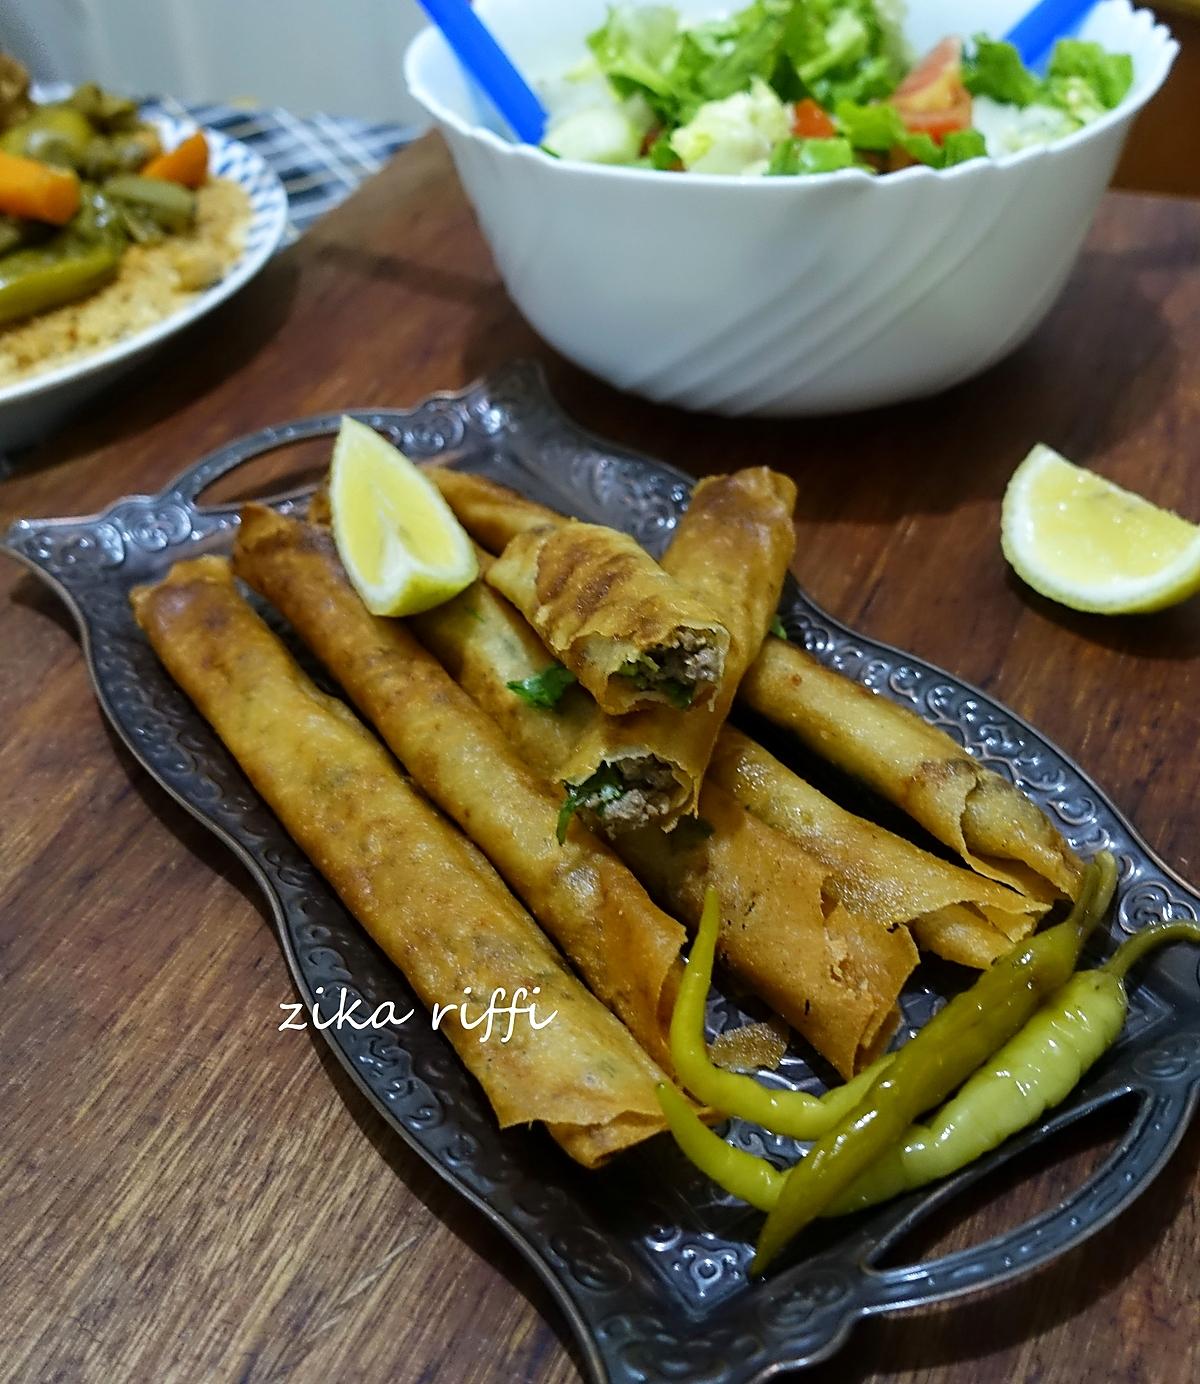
{"x":952,"y":912}
{"x":497,"y":514}
{"x":731,"y":550}
{"x":834,"y":977}
{"x":986,"y":819}
{"x":626,"y":948}
{"x":423,"y":892}
{"x":957,"y":914}
{"x":975,"y":812}
{"x":611,"y":615}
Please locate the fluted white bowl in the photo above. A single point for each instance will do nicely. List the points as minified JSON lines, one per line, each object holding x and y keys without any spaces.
{"x":779,"y":296}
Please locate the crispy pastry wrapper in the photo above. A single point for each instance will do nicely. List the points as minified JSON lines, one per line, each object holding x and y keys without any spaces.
{"x":624,"y":946}
{"x":731,"y":550}
{"x":835,"y":977}
{"x":492,"y":514}
{"x":424,"y":893}
{"x":600,"y":603}
{"x":986,"y":819}
{"x":954,"y":912}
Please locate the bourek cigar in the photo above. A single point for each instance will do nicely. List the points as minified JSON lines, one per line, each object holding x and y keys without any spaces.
{"x":625,"y":947}
{"x":959,"y":915}
{"x":834,"y":977}
{"x":731,"y":550}
{"x":425,"y":894}
{"x":610,"y":614}
{"x":988,"y":821}
{"x":485,"y":645}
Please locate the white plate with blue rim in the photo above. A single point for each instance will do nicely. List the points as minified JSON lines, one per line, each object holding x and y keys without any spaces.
{"x":30,"y":409}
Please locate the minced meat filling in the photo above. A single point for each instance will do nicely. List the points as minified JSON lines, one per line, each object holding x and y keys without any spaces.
{"x":689,"y":662}
{"x":647,"y":796}
{"x":682,"y":666}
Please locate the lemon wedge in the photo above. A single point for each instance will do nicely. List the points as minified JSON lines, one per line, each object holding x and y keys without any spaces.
{"x":1083,"y":541}
{"x":398,"y":539}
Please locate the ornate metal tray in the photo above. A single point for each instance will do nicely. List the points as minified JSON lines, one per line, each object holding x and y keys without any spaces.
{"x":647,"y":1262}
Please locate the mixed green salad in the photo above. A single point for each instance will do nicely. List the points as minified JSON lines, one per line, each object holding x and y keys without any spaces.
{"x":788,"y":87}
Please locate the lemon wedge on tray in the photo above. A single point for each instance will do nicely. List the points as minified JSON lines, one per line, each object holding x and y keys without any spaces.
{"x":1087,"y":543}
{"x":399,"y":541}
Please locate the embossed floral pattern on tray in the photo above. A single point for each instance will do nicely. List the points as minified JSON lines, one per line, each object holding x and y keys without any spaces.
{"x":646,"y":1258}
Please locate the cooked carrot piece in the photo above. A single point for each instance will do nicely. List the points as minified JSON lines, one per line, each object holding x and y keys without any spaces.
{"x":37,"y":191}
{"x":187,"y":163}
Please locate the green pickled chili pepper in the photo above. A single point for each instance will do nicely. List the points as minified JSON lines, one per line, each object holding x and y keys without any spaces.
{"x":933,"y":1064}
{"x":1032,"y":1073}
{"x":794,"y":1113}
{"x":743,"y":1174}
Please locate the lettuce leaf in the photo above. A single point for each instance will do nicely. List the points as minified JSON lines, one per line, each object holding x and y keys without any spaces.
{"x":636,"y":48}
{"x":735,"y":135}
{"x":877,"y":129}
{"x":721,"y":58}
{"x":961,"y":146}
{"x":1082,"y":79}
{"x":995,"y":69}
{"x":845,"y":50}
{"x":1110,"y":75}
{"x":830,"y":49}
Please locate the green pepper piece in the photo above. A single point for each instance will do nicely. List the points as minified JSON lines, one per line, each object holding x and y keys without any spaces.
{"x":33,"y":281}
{"x":98,"y":221}
{"x":52,"y":134}
{"x":13,"y":233}
{"x":956,"y":1041}
{"x":168,"y":205}
{"x":1032,"y":1073}
{"x":104,"y":109}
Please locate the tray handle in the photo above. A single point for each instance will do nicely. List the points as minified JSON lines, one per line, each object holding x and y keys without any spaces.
{"x":187,"y":488}
{"x":1167,"y":1075}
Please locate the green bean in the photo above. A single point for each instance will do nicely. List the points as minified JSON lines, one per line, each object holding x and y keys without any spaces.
{"x":794,"y":1113}
{"x":955,"y":1042}
{"x":33,"y":281}
{"x":106,"y":155}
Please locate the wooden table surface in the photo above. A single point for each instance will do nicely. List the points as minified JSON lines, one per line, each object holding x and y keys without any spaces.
{"x":188,"y":1194}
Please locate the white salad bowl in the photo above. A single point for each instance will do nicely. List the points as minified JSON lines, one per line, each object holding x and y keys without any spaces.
{"x":780,"y":296}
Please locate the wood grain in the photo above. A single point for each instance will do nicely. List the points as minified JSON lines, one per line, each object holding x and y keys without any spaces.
{"x":184,"y":1193}
{"x":1159,"y":156}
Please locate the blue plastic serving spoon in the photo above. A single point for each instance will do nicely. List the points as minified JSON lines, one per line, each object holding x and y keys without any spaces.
{"x":484,"y":59}
{"x":1036,"y":34}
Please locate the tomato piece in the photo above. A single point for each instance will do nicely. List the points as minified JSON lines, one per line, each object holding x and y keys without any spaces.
{"x":938,"y":124}
{"x":810,"y":121}
{"x":932,"y":99}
